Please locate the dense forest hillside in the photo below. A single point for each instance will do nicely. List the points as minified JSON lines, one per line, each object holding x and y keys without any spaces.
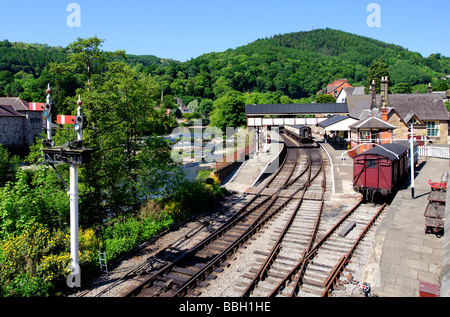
{"x":24,"y":70}
{"x":295,"y":65}
{"x":300,"y":64}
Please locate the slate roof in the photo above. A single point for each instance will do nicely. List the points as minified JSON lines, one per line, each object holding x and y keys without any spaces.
{"x":9,"y":111}
{"x":17,"y":103}
{"x":349,"y":90}
{"x":425,"y":106}
{"x":297,"y":109}
{"x":372,"y":123}
{"x":359,"y":90}
{"x":332,"y":120}
{"x":390,"y":150}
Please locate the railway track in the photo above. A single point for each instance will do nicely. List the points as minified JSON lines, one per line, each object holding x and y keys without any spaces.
{"x":313,"y":269}
{"x":296,"y":232}
{"x":305,"y":257}
{"x":191,"y":269}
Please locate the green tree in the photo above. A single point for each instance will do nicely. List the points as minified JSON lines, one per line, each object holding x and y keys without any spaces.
{"x":402,"y":88}
{"x":193,"y":105}
{"x":123,"y":112}
{"x":229,"y":111}
{"x":35,"y":197}
{"x":442,"y":86}
{"x":87,"y":58}
{"x":325,"y":99}
{"x":206,"y":106}
{"x":7,"y":166}
{"x":377,"y":70}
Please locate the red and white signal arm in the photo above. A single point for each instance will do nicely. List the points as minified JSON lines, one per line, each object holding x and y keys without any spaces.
{"x":36,"y":106}
{"x":66,"y":119}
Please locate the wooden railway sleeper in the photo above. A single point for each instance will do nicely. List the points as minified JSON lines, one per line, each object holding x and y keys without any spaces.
{"x":277,"y":247}
{"x":344,"y":260}
{"x":236,"y":218}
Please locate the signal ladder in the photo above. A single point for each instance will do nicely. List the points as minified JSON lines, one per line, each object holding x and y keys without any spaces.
{"x":103,"y":263}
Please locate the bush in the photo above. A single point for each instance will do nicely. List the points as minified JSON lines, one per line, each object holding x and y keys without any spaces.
{"x":125,"y":233}
{"x":35,"y":254}
{"x":194,"y":197}
{"x":36,"y":263}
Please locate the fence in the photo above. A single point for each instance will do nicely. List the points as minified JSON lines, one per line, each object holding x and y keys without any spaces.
{"x":434,"y":151}
{"x":236,"y":156}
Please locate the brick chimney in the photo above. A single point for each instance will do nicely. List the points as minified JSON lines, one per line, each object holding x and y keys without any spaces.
{"x":384,"y":114}
{"x":373,"y":93}
{"x":429,"y":89}
{"x":384,"y":91}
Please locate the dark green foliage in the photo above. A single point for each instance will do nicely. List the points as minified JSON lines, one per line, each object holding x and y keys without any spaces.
{"x":442,"y":86}
{"x":325,"y":99}
{"x":7,"y":166}
{"x":29,"y":58}
{"x":378,"y":70}
{"x":401,"y":88}
{"x":229,"y":111}
{"x":297,"y":65}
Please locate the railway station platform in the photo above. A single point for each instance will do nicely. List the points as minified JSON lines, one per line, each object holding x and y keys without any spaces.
{"x":251,"y":170}
{"x":342,"y":169}
{"x":405,"y":261}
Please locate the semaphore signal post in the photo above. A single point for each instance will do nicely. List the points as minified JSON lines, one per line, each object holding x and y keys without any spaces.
{"x":74,"y":154}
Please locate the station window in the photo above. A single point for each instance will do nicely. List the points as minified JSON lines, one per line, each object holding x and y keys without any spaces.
{"x":432,"y":129}
{"x":364,"y":135}
{"x":371,"y":163}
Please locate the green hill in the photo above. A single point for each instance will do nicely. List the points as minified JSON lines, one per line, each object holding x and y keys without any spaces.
{"x":29,"y":58}
{"x":300,"y":64}
{"x":295,"y":65}
{"x":24,"y":70}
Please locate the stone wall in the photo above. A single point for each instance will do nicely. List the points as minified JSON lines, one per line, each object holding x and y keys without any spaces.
{"x":12,"y":131}
{"x":33,"y":126}
{"x":19,"y":133}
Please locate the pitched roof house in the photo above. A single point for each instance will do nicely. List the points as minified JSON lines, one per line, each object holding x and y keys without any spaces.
{"x":349,"y":91}
{"x":426,"y":111}
{"x":335,"y":88}
{"x":20,"y":126}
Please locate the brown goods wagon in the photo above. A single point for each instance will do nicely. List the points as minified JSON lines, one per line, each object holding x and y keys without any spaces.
{"x":380,"y":169}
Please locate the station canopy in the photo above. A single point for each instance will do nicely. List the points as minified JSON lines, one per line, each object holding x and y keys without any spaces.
{"x":297,"y":109}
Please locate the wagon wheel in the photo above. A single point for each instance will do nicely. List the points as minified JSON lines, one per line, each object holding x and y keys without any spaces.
{"x":436,"y":230}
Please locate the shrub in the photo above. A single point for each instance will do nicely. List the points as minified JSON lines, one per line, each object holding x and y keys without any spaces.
{"x":36,"y":262}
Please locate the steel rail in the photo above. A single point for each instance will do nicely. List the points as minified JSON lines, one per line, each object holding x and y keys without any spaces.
{"x":334,"y":275}
{"x":277,"y":247}
{"x":242,"y":214}
{"x":308,"y":256}
{"x":258,"y":223}
{"x":300,"y":264}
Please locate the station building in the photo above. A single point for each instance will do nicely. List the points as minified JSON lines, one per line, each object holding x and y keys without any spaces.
{"x":21,"y":123}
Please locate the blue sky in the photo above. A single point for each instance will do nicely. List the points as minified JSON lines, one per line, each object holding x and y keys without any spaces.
{"x":185,"y":29}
